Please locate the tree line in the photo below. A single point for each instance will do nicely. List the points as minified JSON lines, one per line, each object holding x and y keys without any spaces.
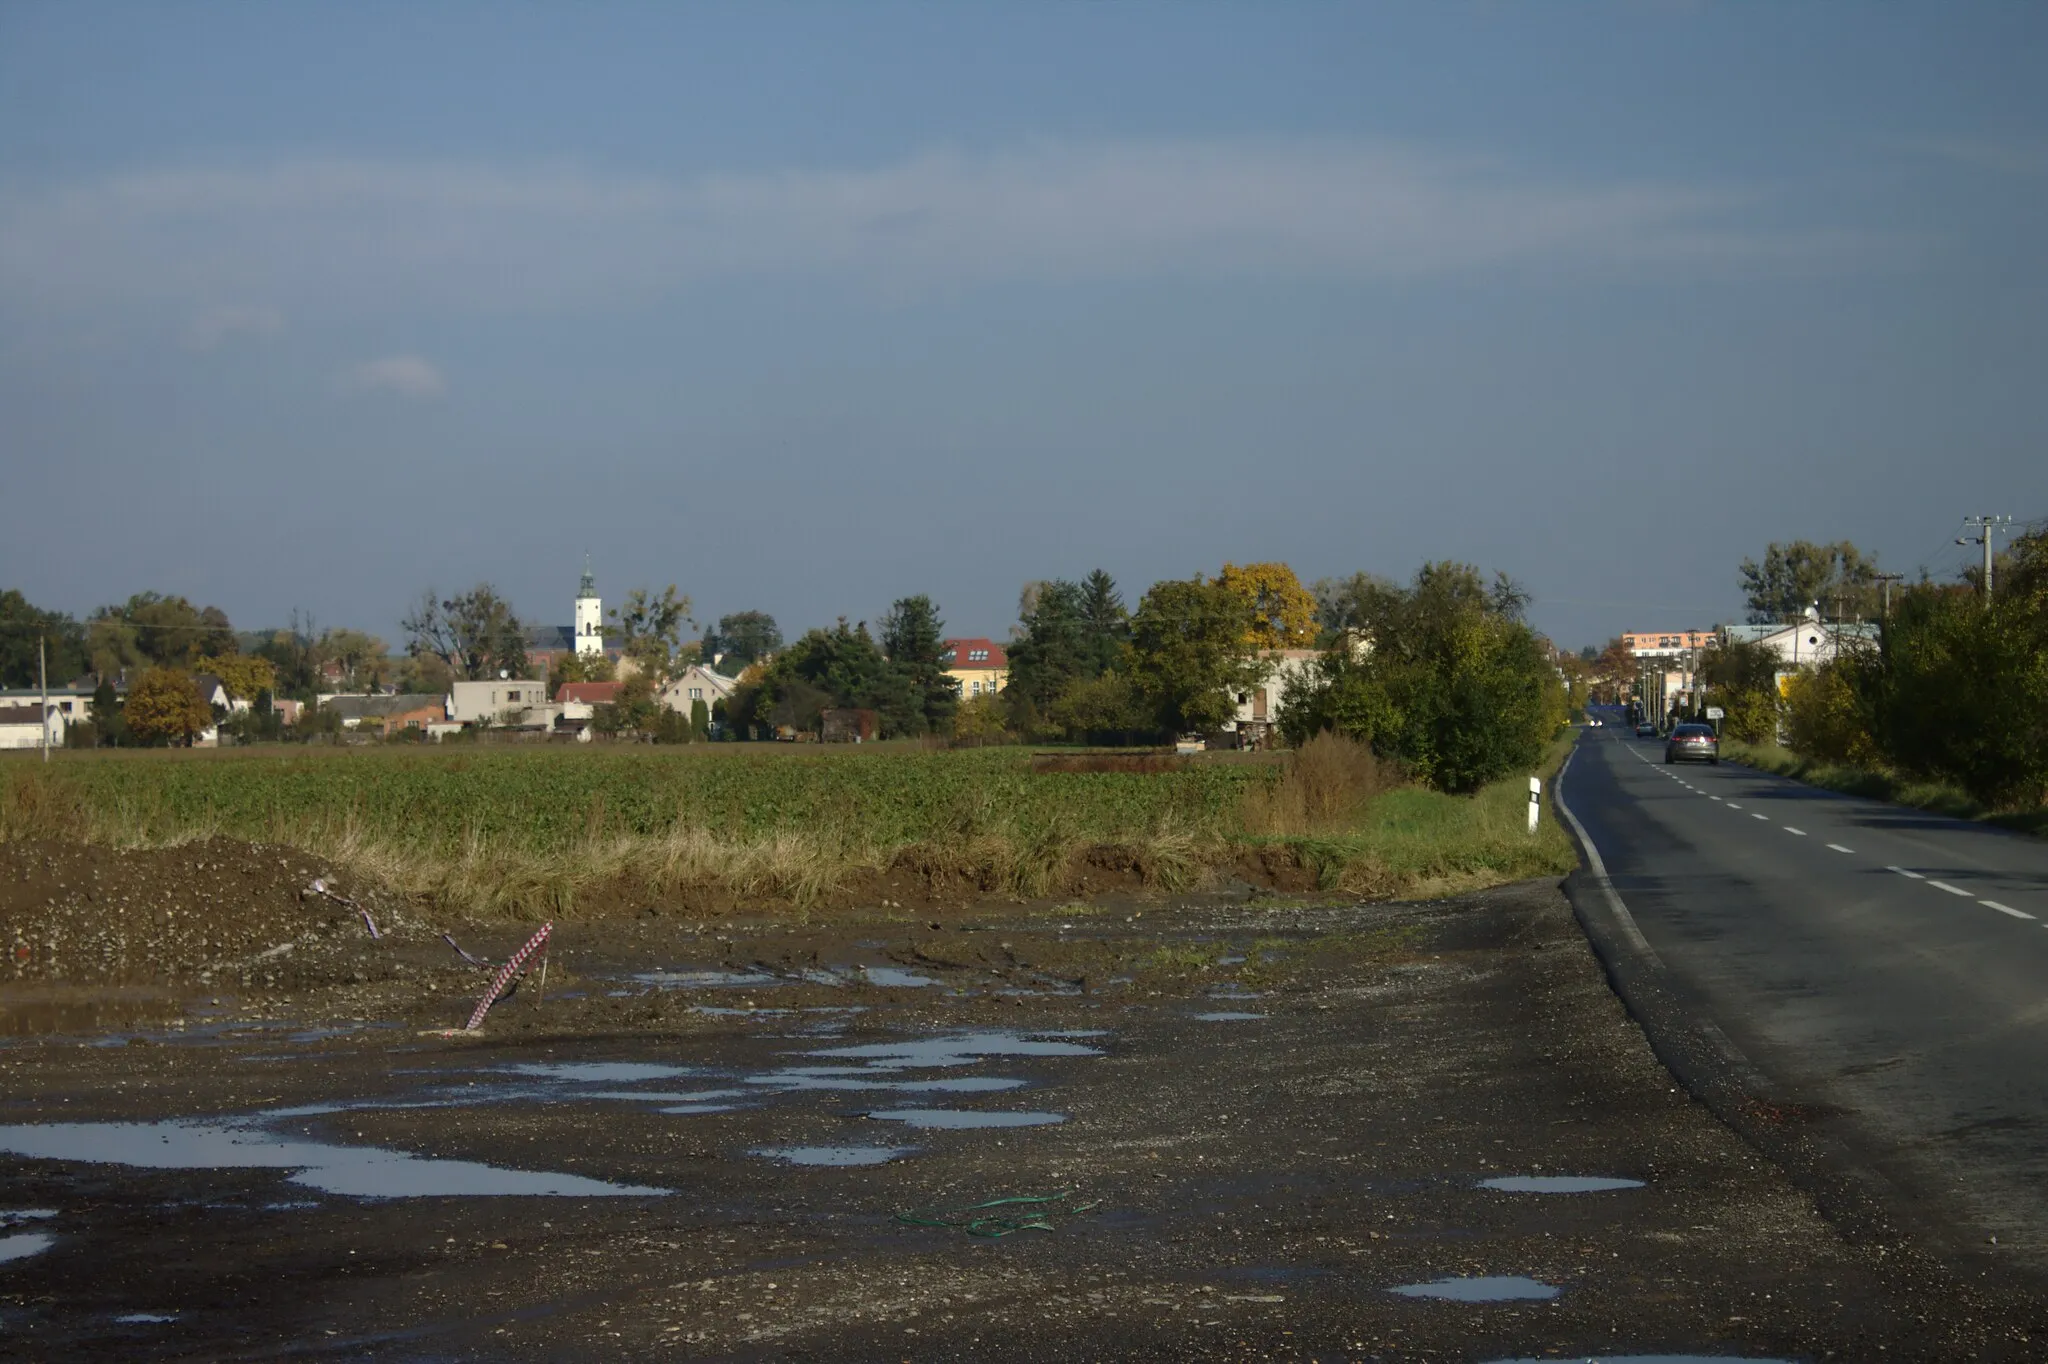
{"x":1952,"y":688}
{"x":1441,"y":674}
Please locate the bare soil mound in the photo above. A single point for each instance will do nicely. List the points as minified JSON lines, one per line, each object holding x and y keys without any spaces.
{"x":74,"y":912}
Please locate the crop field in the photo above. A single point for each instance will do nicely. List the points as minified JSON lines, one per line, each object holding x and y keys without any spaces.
{"x":518,"y":830}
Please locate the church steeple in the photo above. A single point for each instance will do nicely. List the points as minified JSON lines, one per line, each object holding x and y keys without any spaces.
{"x":589,"y":615}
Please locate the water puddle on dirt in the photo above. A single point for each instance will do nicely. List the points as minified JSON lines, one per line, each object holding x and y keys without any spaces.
{"x":692,"y":980}
{"x":960,"y":1118}
{"x":144,"y":1319}
{"x":881,"y":1079}
{"x":1485,"y":1288}
{"x":352,"y":1171}
{"x":833,"y":1155}
{"x":896,"y":977}
{"x":1226,"y":1016}
{"x":1650,"y":1359}
{"x":1558,"y":1184}
{"x":962,"y":1049}
{"x":24,"y":1244}
{"x":603,"y":1072}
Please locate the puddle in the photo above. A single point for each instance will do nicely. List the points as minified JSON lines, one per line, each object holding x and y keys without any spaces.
{"x":1552,"y":1184}
{"x":686,"y":980}
{"x":1486,"y":1288}
{"x":24,"y":1244}
{"x":895,"y":976}
{"x":666,"y":1096}
{"x":879,"y":1079}
{"x":833,"y":1155}
{"x":144,"y":1319}
{"x":698,"y":1108}
{"x":961,"y":1049}
{"x":964,"y":1118}
{"x":1232,"y":990}
{"x":353,"y":1171}
{"x":1653,"y":1359}
{"x":14,"y":1217}
{"x":603,"y":1072}
{"x":722,"y":1011}
{"x":1225,"y":1016}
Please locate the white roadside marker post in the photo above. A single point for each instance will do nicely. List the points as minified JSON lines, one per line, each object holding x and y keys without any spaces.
{"x":1535,"y":801}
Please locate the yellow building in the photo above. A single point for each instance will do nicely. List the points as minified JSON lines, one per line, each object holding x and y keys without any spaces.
{"x":979,"y":665}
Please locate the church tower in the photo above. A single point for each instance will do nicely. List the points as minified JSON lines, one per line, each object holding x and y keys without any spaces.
{"x":589,"y":616}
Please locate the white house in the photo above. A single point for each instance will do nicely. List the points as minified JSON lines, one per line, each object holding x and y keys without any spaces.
{"x":31,"y":726}
{"x":1806,"y":643}
{"x":73,"y":703}
{"x":1258,"y":708}
{"x":501,"y":701}
{"x":696,"y":683}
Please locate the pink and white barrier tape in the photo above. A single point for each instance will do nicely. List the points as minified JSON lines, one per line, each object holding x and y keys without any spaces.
{"x":505,"y":974}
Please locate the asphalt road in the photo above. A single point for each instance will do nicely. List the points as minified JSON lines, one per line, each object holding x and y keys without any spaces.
{"x":1882,"y":966}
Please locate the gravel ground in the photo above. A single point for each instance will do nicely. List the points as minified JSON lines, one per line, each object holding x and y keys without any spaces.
{"x":1261,"y":1118}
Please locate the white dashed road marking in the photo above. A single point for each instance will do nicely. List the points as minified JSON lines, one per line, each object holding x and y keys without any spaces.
{"x":1733,"y":806}
{"x":1790,"y":830}
{"x":1839,"y":848}
{"x":1716,"y":798}
{"x":1903,"y":872}
{"x":2005,"y":909}
{"x":1754,"y":815}
{"x":1953,"y":890}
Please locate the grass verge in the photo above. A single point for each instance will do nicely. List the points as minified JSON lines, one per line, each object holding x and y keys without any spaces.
{"x":1938,"y":797}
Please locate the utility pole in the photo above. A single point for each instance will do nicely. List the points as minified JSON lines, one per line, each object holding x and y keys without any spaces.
{"x":1987,"y":526}
{"x":43,"y":676}
{"x":1887,"y":579}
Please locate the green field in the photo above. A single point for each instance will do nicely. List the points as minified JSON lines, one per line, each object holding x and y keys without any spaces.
{"x":514,"y":829}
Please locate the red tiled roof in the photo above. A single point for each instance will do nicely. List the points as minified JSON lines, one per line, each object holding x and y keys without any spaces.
{"x":596,"y":693}
{"x":964,"y":649}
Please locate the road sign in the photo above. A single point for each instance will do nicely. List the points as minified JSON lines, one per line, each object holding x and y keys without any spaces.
{"x":1715,"y":713}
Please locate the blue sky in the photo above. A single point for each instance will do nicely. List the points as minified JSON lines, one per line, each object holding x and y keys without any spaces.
{"x":807,"y":307}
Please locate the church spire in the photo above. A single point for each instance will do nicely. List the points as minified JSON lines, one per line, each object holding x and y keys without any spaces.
{"x":589,"y":588}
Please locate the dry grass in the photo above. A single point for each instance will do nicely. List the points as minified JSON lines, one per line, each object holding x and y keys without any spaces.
{"x":1325,"y":786}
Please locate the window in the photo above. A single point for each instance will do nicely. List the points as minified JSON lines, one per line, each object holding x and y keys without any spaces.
{"x":975,"y":688}
{"x":696,"y":693}
{"x":977,"y":655}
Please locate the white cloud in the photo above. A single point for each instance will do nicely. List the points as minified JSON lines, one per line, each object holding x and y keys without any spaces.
{"x":370,"y":235}
{"x":409,"y":375}
{"x":213,"y":327}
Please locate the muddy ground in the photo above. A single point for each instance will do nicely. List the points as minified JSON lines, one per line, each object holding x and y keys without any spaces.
{"x":1262,"y":1116}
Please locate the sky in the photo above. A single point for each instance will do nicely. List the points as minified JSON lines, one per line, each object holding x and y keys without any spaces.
{"x":807,"y":307}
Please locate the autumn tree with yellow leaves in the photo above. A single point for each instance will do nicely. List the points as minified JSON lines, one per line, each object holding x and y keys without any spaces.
{"x":165,"y":707}
{"x":1283,"y":612}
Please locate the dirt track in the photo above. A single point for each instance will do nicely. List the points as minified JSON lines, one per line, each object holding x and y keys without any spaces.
{"x":1259,"y":1184}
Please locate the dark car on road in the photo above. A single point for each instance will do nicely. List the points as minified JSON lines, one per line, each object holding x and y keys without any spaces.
{"x":1646,"y":730}
{"x":1693,"y":744}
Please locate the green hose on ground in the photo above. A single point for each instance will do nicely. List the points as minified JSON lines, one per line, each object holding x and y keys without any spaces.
{"x":1026,"y":1212}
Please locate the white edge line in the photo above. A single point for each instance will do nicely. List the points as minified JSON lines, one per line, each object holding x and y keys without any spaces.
{"x":2005,"y":909}
{"x":1621,"y":915}
{"x":1953,"y":890}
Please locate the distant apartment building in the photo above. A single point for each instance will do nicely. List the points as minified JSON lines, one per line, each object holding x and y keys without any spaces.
{"x":1667,"y":643}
